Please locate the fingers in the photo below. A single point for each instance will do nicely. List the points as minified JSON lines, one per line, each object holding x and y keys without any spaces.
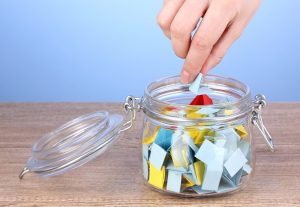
{"x":167,"y":14}
{"x":231,"y":34}
{"x":220,"y":48}
{"x":184,"y":24}
{"x":210,"y":30}
{"x":178,"y":19}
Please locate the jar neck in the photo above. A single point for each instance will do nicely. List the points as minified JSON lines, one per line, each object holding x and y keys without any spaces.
{"x":231,"y":99}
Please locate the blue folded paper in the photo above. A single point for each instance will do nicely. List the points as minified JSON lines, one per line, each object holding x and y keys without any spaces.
{"x":157,"y":156}
{"x":164,"y":138}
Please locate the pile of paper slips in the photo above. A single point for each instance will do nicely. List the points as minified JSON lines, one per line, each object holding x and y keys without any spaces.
{"x":196,"y":159}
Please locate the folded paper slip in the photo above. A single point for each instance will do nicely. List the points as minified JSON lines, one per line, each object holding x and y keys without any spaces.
{"x":164,"y":138}
{"x":210,"y":153}
{"x":146,"y":169}
{"x":157,"y":177}
{"x":181,"y":155}
{"x":150,"y":139}
{"x":157,"y":156}
{"x":235,"y":162}
{"x":241,"y":131}
{"x":198,"y":135}
{"x":174,"y":181}
{"x":188,"y":180}
{"x":195,"y":86}
{"x":198,"y":169}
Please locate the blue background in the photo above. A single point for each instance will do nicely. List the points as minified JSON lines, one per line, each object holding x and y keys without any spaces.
{"x":63,"y":50}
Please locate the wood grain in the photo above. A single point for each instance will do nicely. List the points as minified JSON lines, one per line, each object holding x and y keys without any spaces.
{"x":115,"y":179}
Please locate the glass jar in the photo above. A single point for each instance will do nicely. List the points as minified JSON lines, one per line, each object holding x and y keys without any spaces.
{"x":198,"y":150}
{"x":187,"y":150}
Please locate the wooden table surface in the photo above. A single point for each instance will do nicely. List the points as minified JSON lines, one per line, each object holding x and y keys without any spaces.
{"x":115,"y":179}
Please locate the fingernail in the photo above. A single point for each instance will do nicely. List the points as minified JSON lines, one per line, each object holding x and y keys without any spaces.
{"x":204,"y":70}
{"x":185,"y":77}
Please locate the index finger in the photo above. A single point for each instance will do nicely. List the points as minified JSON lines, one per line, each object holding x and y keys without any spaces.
{"x":210,"y":30}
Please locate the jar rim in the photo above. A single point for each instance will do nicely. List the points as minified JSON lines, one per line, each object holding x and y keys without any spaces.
{"x":161,"y":94}
{"x":246,"y":96}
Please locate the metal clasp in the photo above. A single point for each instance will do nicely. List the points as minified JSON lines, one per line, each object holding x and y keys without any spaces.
{"x":131,"y":106}
{"x":259,"y":103}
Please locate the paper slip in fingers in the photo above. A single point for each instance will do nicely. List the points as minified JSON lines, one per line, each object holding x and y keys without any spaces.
{"x":194,"y":87}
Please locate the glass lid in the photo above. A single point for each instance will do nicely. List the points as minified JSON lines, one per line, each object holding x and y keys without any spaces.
{"x":74,"y":144}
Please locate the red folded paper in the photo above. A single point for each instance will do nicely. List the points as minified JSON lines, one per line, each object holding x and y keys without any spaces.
{"x":201,"y":100}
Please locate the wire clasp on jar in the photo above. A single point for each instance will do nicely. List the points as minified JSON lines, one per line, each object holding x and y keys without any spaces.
{"x":259,"y":103}
{"x":131,"y":106}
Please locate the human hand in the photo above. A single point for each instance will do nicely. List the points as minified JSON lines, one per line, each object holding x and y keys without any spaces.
{"x":223,"y":22}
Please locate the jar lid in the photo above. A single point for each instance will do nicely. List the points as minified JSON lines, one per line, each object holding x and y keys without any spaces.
{"x":74,"y":144}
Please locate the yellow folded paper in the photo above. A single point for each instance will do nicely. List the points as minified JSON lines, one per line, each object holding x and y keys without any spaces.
{"x":150,"y":139}
{"x":187,"y":182}
{"x":174,"y":156}
{"x":186,"y":157}
{"x":195,"y":115}
{"x":241,"y":131}
{"x":147,"y":129}
{"x":228,"y":112}
{"x":199,"y":170}
{"x":198,"y":135}
{"x":181,"y":155}
{"x":157,"y":177}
